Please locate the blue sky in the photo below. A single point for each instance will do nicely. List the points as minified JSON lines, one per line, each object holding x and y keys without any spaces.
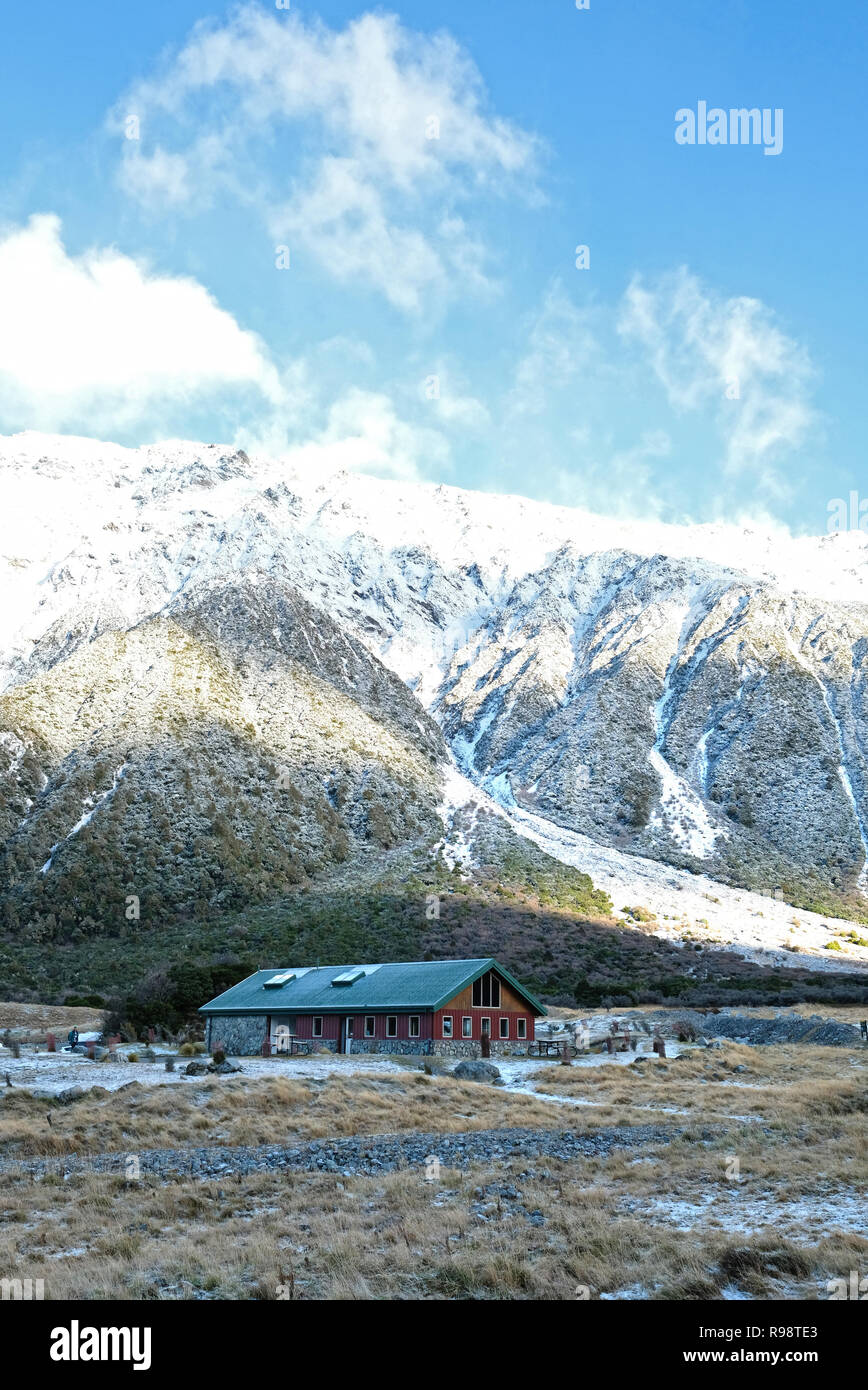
{"x":161,"y":160}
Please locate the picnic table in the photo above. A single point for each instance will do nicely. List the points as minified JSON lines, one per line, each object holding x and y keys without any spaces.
{"x":547,"y":1047}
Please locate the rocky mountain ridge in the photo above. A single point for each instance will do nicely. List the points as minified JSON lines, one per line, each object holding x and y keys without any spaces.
{"x":191,"y":638}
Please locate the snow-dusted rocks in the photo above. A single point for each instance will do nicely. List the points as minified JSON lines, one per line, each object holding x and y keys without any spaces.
{"x":304,"y":664}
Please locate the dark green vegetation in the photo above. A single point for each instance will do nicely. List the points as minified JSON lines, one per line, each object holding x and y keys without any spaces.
{"x":545,"y":921}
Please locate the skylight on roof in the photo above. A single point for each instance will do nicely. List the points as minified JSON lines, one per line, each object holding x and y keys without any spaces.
{"x":277,"y":980}
{"x":349,"y":977}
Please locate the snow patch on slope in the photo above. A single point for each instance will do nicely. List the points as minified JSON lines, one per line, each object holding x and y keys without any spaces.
{"x":724,"y":918}
{"x":88,"y":815}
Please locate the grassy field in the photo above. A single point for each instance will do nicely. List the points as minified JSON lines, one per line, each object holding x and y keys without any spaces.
{"x":758,"y":1195}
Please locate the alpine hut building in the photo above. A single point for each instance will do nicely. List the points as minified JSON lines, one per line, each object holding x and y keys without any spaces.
{"x":437,"y":1006}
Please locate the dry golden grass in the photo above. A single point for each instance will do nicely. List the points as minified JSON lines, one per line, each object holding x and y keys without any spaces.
{"x":611,"y":1224}
{"x":397,"y":1236}
{"x":40,"y":1019}
{"x":795,"y":1115}
{"x":238,"y":1111}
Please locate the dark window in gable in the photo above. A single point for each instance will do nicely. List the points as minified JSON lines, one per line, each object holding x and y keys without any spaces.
{"x":486,"y":991}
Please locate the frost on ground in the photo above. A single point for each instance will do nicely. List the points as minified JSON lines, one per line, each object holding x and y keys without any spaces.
{"x":735,"y":1209}
{"x":48,"y":1073}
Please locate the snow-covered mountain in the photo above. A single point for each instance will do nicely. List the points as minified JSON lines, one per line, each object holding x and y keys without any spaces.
{"x":189,"y":637}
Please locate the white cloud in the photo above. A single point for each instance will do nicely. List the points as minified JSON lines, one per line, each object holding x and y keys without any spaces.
{"x":364,"y":434}
{"x":562,"y":346}
{"x":619,"y":482}
{"x":158,"y":177}
{"x":385,"y":129}
{"x":729,"y":355}
{"x":98,"y":342}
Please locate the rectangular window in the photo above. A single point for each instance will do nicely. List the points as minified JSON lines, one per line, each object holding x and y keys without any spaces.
{"x":317,"y":1027}
{"x":414,"y":1025}
{"x":370,"y":1025}
{"x":486,"y":1027}
{"x":447,"y":1026}
{"x":522,"y":1027}
{"x":504,"y":1027}
{"x":467,"y":1027}
{"x":486,"y":992}
{"x":391,"y":1025}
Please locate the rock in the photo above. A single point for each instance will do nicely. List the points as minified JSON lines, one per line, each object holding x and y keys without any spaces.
{"x":197,"y":1069}
{"x":476,"y":1071}
{"x":222,"y":1068}
{"x":70,"y":1094}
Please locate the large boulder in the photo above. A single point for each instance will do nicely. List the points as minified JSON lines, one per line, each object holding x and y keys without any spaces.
{"x":222,"y":1068}
{"x":475,"y":1070}
{"x":196,"y":1069}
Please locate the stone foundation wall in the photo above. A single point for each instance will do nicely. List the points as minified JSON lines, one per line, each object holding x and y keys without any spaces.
{"x":243,"y":1036}
{"x":440,"y":1047}
{"x":239,"y":1035}
{"x":467,"y":1047}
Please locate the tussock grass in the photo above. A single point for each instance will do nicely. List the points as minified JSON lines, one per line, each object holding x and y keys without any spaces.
{"x":390,"y":1237}
{"x":664,"y":1221}
{"x":266,"y":1111}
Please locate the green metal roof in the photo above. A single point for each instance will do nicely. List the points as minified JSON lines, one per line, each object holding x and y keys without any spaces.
{"x":426,"y":984}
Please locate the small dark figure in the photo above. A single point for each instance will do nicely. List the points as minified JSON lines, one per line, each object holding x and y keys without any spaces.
{"x":72,"y":1037}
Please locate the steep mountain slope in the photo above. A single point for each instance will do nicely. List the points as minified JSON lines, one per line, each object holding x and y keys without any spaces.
{"x":679,"y":711}
{"x":223,"y":681}
{"x":197,"y":761}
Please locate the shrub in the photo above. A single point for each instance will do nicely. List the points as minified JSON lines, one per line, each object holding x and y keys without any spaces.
{"x":218,"y":1056}
{"x":187,"y":1049}
{"x":639,"y":914}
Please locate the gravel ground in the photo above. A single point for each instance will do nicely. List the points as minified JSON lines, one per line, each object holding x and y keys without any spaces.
{"x":785,"y":1028}
{"x":372,"y":1154}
